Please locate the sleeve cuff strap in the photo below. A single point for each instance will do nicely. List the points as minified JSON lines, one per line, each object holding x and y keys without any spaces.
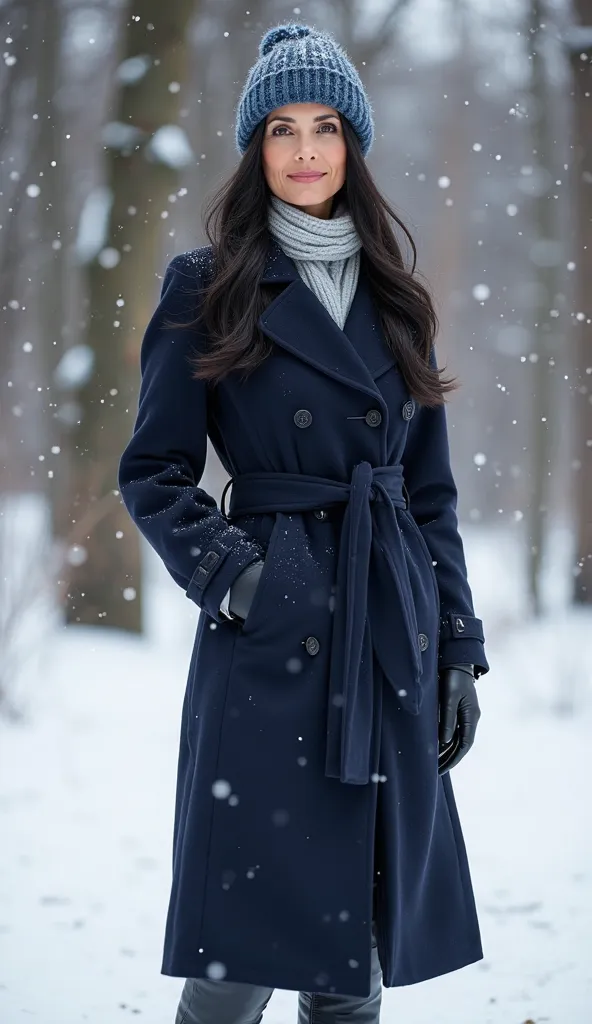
{"x":462,"y":640}
{"x":456,"y":626}
{"x":216,"y":571}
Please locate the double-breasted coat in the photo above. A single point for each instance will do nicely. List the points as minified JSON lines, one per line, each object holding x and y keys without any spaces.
{"x":308,"y":798}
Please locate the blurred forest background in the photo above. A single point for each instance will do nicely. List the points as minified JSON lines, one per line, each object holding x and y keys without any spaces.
{"x":118,"y":121}
{"x":116,"y":125}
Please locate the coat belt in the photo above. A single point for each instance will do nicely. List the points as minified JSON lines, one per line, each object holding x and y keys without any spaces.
{"x":374,"y":606}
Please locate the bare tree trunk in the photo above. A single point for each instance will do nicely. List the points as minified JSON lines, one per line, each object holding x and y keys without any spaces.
{"x":48,"y":264}
{"x":579,"y":42}
{"x":31,"y":296}
{"x":144,"y":153}
{"x":447,"y":231}
{"x":16,"y":144}
{"x":546,"y":237}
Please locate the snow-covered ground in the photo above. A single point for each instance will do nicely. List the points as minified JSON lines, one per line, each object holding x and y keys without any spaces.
{"x":86,"y":813}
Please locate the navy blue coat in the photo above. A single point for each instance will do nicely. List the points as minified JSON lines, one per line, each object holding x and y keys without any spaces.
{"x":308,"y":796}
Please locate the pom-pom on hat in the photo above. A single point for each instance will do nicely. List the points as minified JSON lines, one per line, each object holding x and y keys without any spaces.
{"x":298,"y":64}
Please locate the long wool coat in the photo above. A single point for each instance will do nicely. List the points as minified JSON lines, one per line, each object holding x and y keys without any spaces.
{"x":308,"y":797}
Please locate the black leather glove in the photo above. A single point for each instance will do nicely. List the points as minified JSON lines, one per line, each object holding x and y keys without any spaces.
{"x":459,"y":709}
{"x":243,"y":590}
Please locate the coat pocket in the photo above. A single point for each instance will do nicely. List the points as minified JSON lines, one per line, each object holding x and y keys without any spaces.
{"x":426,"y":553}
{"x":256,"y":603}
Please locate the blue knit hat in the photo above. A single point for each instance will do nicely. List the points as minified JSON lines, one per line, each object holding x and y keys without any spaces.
{"x":298,"y":64}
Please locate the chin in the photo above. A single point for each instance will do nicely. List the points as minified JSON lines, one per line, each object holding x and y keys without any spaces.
{"x":308,"y":195}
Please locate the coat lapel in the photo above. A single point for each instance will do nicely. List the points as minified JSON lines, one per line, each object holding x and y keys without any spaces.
{"x":300,"y":323}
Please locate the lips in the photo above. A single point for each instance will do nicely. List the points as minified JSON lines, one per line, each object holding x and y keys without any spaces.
{"x":306,"y":177}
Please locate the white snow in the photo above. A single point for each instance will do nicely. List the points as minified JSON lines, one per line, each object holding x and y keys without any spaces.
{"x":86,"y":816}
{"x":75,"y":367}
{"x":133,"y":69}
{"x":93,"y":223}
{"x":170,"y":146}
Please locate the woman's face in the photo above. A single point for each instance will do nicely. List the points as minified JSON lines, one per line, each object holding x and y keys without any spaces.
{"x":304,"y":137}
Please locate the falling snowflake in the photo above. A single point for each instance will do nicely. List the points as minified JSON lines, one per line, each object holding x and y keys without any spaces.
{"x":216,"y":970}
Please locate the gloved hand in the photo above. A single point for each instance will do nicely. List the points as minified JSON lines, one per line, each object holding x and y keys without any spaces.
{"x":243,"y":589}
{"x":458,"y":707}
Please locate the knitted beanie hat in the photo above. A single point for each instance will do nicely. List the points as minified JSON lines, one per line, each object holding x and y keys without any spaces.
{"x":298,"y":64}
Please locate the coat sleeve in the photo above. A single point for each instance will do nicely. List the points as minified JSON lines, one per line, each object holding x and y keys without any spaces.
{"x":163,"y":463}
{"x":432,"y":503}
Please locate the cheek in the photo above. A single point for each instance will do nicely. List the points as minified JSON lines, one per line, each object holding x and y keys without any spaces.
{"x":338,"y":157}
{"x":270,"y":162}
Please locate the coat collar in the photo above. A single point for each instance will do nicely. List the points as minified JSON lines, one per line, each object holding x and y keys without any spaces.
{"x":300,"y":323}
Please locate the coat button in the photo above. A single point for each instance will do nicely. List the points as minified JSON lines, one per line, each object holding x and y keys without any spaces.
{"x":320,"y":513}
{"x":312,"y":645}
{"x":303,"y":418}
{"x":373,"y":417}
{"x":460,"y":625}
{"x":408,"y":409}
{"x":423,"y":642}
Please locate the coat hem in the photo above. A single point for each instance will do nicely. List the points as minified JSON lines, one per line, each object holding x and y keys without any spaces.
{"x":264,"y":980}
{"x":416,"y":979}
{"x":254,"y":978}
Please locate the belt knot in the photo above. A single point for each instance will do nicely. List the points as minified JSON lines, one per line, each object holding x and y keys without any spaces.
{"x":372,"y":579}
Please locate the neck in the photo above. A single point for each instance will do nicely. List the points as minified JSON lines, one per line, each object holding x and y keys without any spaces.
{"x":321,"y":210}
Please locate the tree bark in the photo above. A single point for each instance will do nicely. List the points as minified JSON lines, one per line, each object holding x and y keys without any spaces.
{"x":50,"y":251}
{"x":105,"y":586}
{"x":579,"y":42}
{"x":546,"y":340}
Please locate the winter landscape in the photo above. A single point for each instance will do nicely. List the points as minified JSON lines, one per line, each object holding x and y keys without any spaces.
{"x":117,"y":125}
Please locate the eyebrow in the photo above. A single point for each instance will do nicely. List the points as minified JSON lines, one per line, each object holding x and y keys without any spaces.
{"x":292,"y":120}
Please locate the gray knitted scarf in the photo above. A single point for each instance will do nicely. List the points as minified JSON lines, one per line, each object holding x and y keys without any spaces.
{"x":326,"y":252}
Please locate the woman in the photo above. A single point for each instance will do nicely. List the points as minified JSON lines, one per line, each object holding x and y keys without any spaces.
{"x":316,"y":843}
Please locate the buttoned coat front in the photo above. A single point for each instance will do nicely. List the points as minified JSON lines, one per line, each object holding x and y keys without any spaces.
{"x":308,"y":798}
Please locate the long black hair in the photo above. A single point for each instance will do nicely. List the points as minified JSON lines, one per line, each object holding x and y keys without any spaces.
{"x":232,"y":301}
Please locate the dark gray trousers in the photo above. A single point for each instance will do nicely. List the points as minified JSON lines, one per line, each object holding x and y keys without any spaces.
{"x":231,"y":1002}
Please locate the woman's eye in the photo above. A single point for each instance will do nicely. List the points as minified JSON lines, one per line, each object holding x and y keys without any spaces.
{"x":332,"y":126}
